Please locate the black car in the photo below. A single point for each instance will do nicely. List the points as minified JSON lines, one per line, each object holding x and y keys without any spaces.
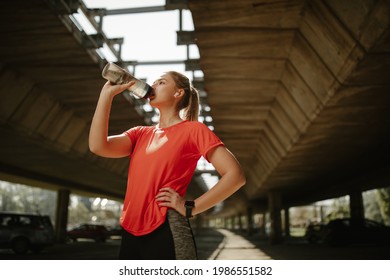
{"x":355,"y":231}
{"x":314,"y":233}
{"x":24,"y":232}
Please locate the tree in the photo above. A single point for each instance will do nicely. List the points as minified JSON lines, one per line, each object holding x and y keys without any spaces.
{"x":24,"y":199}
{"x":339,"y":208}
{"x":383,"y":198}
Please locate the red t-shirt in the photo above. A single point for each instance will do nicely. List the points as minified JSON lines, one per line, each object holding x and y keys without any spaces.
{"x":161,"y":157}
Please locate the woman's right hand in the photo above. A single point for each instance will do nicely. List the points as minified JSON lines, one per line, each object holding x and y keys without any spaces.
{"x":113,"y":90}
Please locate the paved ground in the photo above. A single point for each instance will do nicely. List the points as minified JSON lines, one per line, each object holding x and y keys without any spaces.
{"x":241,"y":247}
{"x":221,"y":245}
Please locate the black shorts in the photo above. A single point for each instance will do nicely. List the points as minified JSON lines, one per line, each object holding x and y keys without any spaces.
{"x":173,"y":240}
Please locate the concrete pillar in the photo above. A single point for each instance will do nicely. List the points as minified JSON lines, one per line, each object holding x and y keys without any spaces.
{"x":275,"y":206}
{"x":62,"y":215}
{"x":239,"y":222}
{"x":249,"y":217}
{"x":262,"y":230}
{"x":287,"y":222}
{"x":356,"y":205}
{"x":322,"y":214}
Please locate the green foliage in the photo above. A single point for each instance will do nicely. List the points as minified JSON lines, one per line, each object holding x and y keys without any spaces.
{"x":339,"y":208}
{"x":383,"y":198}
{"x":23,"y":199}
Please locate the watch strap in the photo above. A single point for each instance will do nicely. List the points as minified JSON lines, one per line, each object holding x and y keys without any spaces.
{"x":189,"y":205}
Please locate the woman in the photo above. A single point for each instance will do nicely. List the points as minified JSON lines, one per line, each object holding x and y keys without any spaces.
{"x":162,"y":161}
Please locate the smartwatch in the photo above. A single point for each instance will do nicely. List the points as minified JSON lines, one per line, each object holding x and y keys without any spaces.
{"x":189,"y":204}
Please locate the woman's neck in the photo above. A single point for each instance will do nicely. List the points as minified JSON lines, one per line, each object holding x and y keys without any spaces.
{"x":168,"y":119}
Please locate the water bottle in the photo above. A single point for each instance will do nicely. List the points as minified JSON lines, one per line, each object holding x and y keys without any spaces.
{"x":118,"y":76}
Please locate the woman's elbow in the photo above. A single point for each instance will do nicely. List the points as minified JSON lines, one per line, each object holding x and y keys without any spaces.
{"x":238,"y":177}
{"x":100,"y":152}
{"x":241,"y":179}
{"x":95,"y":149}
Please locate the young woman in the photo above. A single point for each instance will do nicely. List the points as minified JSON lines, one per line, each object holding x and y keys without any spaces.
{"x":163,"y":159}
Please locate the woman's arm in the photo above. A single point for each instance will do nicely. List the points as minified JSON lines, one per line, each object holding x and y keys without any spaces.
{"x":99,"y":142}
{"x":232,"y":178}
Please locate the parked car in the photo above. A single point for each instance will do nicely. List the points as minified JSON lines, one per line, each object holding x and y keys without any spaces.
{"x":97,"y":232}
{"x":315,"y":232}
{"x":24,"y":232}
{"x":115,"y":232}
{"x":353,"y":231}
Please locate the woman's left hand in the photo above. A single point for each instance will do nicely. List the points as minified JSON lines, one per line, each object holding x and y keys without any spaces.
{"x":170,"y":198}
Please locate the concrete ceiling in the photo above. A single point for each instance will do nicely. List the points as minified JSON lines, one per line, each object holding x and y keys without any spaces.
{"x":299,"y":92}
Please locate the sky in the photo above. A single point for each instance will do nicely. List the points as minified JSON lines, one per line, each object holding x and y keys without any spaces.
{"x":147,"y":36}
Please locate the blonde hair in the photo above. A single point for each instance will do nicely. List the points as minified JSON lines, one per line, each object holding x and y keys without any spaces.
{"x":189,"y":104}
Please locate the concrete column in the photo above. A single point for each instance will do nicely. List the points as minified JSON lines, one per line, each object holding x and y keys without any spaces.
{"x":239,"y":222}
{"x":263,"y":231}
{"x":218,"y":222}
{"x":62,"y":215}
{"x":249,"y":215}
{"x":356,"y":205}
{"x":322,"y":214}
{"x":223,"y":222}
{"x":287,"y":222}
{"x":275,"y":206}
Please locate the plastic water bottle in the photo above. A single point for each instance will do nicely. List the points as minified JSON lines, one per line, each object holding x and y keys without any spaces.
{"x":117,"y":75}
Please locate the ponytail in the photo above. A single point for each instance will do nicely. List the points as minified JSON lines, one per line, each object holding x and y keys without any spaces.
{"x":191,"y":112}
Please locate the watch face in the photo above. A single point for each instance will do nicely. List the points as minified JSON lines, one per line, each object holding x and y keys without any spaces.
{"x":189,"y":203}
